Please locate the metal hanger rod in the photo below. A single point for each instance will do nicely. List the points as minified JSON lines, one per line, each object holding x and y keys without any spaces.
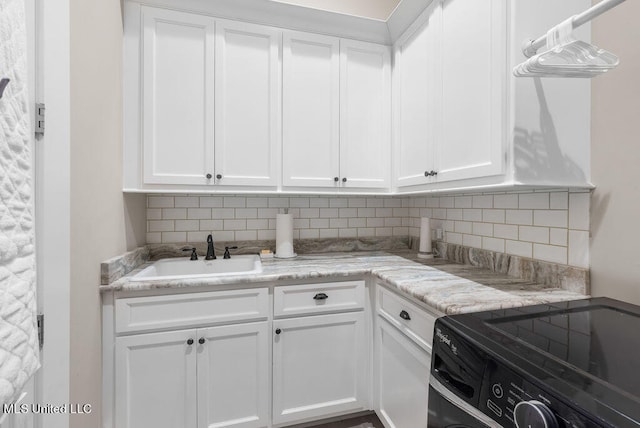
{"x":531,"y":46}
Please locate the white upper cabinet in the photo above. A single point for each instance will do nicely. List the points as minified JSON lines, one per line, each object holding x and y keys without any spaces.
{"x":473,"y":89}
{"x":416,"y":99}
{"x":177,"y":96}
{"x":463,"y":121}
{"x":365,"y":114}
{"x":336,"y":113}
{"x":311,"y":103}
{"x":247,"y":104}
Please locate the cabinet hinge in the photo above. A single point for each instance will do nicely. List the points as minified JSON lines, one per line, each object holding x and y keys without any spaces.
{"x":40,"y":320}
{"x":39,"y":119}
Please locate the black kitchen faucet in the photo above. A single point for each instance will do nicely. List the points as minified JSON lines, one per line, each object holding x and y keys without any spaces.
{"x":211,"y":254}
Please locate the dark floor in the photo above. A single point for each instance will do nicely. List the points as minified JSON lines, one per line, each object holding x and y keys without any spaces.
{"x":368,"y":421}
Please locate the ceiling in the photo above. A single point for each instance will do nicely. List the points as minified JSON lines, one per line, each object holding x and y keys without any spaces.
{"x":374,"y":9}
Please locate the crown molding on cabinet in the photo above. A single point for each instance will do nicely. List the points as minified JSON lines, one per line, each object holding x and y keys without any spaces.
{"x":305,"y":19}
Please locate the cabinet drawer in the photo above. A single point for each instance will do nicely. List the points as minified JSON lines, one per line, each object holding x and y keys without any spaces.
{"x":414,"y":321}
{"x":318,"y":298}
{"x":192,"y":309}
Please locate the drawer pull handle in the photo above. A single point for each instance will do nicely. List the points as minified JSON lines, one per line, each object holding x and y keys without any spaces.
{"x":278,"y":331}
{"x":189,"y":342}
{"x":405,"y":315}
{"x":320,"y":296}
{"x":201,"y":341}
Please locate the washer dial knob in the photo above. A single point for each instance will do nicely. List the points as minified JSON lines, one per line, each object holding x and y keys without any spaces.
{"x":534,"y":414}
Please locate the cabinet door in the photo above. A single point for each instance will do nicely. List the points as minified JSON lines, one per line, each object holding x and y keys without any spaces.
{"x":233,"y":376}
{"x":311,"y":69}
{"x":319,"y":367}
{"x":177,"y":97}
{"x":474,"y":76}
{"x":403,"y":379}
{"x":365,"y":114}
{"x":416,"y":86}
{"x":155,"y":380}
{"x":247,"y":104}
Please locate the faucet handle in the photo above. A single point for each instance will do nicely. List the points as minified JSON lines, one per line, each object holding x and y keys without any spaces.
{"x":194,"y":255}
{"x":226,"y":251}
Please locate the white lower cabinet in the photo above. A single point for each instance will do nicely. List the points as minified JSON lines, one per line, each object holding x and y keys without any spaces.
{"x":319,"y":367}
{"x":210,"y":377}
{"x":403,"y":379}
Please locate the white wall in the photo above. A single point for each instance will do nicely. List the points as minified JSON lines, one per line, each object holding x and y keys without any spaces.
{"x":100,"y":216}
{"x":615,"y":158}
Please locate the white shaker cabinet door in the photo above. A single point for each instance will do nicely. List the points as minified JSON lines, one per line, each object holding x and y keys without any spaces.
{"x":365,"y":115}
{"x":233,"y":376}
{"x":155,"y":378}
{"x":474,"y":84}
{"x":403,"y":379}
{"x":177,"y":97}
{"x":416,"y":97}
{"x":311,"y":92}
{"x":319,"y":367}
{"x":247,"y":104}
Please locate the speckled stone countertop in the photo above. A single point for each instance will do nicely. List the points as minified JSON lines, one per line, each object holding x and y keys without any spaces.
{"x":445,"y":286}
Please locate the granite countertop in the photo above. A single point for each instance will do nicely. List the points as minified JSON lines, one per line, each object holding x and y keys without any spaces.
{"x":445,"y":286}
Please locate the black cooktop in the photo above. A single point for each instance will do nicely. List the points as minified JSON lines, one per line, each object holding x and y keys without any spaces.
{"x":585,"y":350}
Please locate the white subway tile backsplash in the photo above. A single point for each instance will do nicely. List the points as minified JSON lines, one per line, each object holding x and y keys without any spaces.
{"x":558,"y":237}
{"x":257,"y":202}
{"x":551,"y":218}
{"x":235,"y":225}
{"x":493,"y":244}
{"x":519,"y":248}
{"x":505,"y":231}
{"x":223,"y":213}
{"x":338,"y":223}
{"x":318,"y":203}
{"x":309,"y":233}
{"x":550,"y":253}
{"x":186,"y":202}
{"x":462,"y":202}
{"x":454,"y":214}
{"x":579,"y":248}
{"x":534,"y":234}
{"x":533,"y":201}
{"x":509,"y":201}
{"x":299,"y":202}
{"x":278,"y":202}
{"x":338,"y":202}
{"x":246,"y":235}
{"x":551,"y":225}
{"x":472,"y":241}
{"x":188,"y":225}
{"x":321,"y":223}
{"x":523,"y":217}
{"x":579,"y":211}
{"x":328,"y":233}
{"x":169,"y":237}
{"x":159,"y":201}
{"x":559,"y":200}
{"x":483,"y":229}
{"x":160,"y":226}
{"x":463,"y":227}
{"x":483,"y":201}
{"x":246,"y":213}
{"x":211,"y":202}
{"x":348,"y":212}
{"x":198,"y":213}
{"x":154,"y":214}
{"x":454,"y":238}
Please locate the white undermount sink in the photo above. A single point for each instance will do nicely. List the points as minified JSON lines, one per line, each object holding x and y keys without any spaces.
{"x":187,"y":269}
